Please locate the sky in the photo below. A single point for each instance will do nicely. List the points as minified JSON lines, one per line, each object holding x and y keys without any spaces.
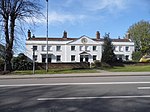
{"x":85,"y":17}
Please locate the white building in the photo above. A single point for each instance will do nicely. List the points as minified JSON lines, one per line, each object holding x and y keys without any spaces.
{"x":75,"y":49}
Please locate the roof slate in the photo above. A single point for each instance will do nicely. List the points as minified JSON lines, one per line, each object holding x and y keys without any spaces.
{"x":68,"y":39}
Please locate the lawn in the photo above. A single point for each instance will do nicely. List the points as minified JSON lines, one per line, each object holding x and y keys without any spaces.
{"x":55,"y":71}
{"x":130,"y":68}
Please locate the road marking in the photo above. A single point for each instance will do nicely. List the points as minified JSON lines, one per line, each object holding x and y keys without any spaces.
{"x":143,"y":87}
{"x":88,"y":98}
{"x":66,"y":84}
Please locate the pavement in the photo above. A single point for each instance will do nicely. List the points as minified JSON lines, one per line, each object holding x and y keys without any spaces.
{"x":101,"y":74}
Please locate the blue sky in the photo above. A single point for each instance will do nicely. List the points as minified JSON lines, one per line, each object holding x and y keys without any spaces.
{"x":85,"y":17}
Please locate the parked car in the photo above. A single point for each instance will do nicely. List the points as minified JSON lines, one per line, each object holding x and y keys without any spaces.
{"x":145,"y":58}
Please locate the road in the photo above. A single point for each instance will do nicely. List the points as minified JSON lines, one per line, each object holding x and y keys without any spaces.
{"x":77,"y":94}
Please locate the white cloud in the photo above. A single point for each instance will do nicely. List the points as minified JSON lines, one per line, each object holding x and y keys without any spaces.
{"x":96,"y":5}
{"x":61,"y":18}
{"x":54,"y":17}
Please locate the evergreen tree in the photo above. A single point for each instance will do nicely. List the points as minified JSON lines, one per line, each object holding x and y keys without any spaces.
{"x":108,"y":55}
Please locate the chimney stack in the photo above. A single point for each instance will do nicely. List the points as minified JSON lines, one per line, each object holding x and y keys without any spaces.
{"x":65,"y":34}
{"x":128,"y":35}
{"x":29,"y":34}
{"x":97,"y":35}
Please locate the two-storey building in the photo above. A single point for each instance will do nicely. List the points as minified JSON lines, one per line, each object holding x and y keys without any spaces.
{"x":79,"y":49}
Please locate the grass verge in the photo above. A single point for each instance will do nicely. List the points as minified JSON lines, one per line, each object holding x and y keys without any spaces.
{"x":54,"y":71}
{"x":130,"y":68}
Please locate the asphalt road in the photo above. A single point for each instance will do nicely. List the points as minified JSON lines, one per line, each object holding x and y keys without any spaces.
{"x":81,"y":94}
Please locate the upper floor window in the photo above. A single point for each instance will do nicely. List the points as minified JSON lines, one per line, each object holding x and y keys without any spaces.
{"x":127,"y":48}
{"x":120,"y":48}
{"x":72,"y":48}
{"x":87,"y":48}
{"x":49,"y":48}
{"x":58,"y":48}
{"x":81,"y":48}
{"x":45,"y":48}
{"x":94,"y":48}
{"x":34,"y":48}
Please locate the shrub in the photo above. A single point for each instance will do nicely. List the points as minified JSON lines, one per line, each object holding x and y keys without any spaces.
{"x":1,"y":64}
{"x":136,"y":56}
{"x":21,"y":63}
{"x":97,"y":64}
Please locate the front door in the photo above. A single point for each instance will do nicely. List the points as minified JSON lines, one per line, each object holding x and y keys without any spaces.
{"x":86,"y":58}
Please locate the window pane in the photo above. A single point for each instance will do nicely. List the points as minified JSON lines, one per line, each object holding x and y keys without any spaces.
{"x":94,"y":48}
{"x":34,"y":48}
{"x":58,"y":58}
{"x":94,"y":57}
{"x":58,"y":48}
{"x":43,"y":58}
{"x":43,"y":48}
{"x":81,"y":48}
{"x":127,"y":48}
{"x":72,"y":57}
{"x":72,"y":48}
{"x":49,"y":48}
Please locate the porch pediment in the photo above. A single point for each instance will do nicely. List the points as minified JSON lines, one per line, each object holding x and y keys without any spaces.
{"x":84,"y":53}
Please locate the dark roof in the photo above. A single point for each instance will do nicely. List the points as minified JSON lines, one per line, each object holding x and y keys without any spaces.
{"x":51,"y":39}
{"x":67,"y":39}
{"x":121,"y":40}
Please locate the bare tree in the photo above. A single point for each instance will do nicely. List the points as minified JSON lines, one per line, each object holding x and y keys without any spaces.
{"x":12,"y":11}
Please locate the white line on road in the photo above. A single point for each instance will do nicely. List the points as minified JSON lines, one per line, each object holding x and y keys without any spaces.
{"x":65,"y":84}
{"x":88,"y":98}
{"x":143,"y":87}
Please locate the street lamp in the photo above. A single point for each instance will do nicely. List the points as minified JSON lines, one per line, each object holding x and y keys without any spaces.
{"x":47,"y":40}
{"x":33,"y":49}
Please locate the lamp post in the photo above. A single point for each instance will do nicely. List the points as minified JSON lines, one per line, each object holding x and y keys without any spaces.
{"x":33,"y":60}
{"x":47,"y":40}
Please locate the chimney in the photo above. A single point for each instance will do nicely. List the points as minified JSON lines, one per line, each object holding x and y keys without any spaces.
{"x":29,"y":34}
{"x":33,"y":36}
{"x":97,"y":35}
{"x":65,"y":34}
{"x":128,"y":35}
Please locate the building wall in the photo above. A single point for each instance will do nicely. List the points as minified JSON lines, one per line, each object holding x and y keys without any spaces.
{"x":66,"y":52}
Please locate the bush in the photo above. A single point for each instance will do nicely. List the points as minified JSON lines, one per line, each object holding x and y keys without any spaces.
{"x":105,"y":65}
{"x":136,"y":56}
{"x":20,"y":63}
{"x":1,"y":64}
{"x":96,"y":64}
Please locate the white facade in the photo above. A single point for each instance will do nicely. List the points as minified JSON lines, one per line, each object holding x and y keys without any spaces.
{"x":75,"y":49}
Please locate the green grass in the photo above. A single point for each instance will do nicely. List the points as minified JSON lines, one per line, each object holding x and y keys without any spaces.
{"x":54,"y":71}
{"x":130,"y":68}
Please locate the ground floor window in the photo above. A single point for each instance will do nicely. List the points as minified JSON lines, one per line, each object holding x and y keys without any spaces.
{"x":72,"y":57}
{"x":127,"y":57}
{"x":94,"y":57}
{"x":81,"y":58}
{"x":58,"y":58}
{"x":43,"y":58}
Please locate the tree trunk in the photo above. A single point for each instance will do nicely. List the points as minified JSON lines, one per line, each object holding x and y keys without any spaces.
{"x":8,"y":51}
{"x":8,"y":57}
{"x":9,"y":42}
